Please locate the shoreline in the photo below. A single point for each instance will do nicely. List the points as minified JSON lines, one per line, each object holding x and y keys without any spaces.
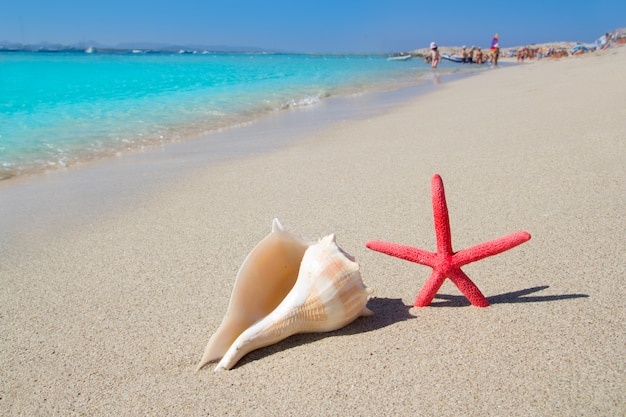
{"x":112,"y":317}
{"x":112,"y":184}
{"x":181,"y":124}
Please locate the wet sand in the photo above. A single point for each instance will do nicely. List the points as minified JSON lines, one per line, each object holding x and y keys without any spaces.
{"x":111,"y":315}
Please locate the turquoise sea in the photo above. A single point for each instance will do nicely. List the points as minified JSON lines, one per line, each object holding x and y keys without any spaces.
{"x":60,"y":108}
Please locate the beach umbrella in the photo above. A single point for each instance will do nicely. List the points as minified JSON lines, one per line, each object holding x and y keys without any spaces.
{"x":579,"y":47}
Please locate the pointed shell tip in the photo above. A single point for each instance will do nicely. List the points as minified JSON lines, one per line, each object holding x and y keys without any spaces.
{"x":276,"y":225}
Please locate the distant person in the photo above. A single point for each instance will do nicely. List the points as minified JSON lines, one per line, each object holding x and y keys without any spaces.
{"x":464,"y":54}
{"x":604,"y":41}
{"x":496,"y":54}
{"x":470,"y":55}
{"x":435,"y":58}
{"x":478,"y":56}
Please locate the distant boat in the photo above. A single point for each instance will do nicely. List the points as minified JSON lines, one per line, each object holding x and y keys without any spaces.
{"x":452,"y":58}
{"x":457,"y":59}
{"x":90,"y":50}
{"x":399,"y":58}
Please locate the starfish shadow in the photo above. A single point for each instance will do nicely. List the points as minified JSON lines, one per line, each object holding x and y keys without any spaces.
{"x":387,"y":311}
{"x":506,"y":298}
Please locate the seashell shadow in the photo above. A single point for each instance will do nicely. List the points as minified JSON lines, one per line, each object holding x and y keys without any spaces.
{"x":387,"y":311}
{"x":513,"y":297}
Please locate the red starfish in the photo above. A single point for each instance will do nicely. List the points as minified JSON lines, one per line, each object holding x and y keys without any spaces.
{"x":446,"y":263}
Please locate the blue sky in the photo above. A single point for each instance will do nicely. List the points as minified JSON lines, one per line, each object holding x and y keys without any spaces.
{"x":309,"y":26}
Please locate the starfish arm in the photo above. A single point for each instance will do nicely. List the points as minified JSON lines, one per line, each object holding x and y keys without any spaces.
{"x":407,"y":253}
{"x":442,"y":219}
{"x":430,"y":288}
{"x":493,"y":247}
{"x":468,"y":288}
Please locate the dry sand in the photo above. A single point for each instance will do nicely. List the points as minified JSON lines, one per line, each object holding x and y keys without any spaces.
{"x":111,"y":318}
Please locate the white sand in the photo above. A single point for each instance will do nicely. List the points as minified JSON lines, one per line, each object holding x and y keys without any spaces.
{"x":110,"y":318}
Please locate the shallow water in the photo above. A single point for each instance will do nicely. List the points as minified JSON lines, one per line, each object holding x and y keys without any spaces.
{"x":59,"y":109}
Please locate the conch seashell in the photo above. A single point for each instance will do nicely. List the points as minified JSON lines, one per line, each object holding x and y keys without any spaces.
{"x":328,"y":294}
{"x":266,"y":276}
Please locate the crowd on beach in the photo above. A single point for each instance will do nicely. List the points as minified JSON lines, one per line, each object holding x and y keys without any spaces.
{"x":608,"y":40}
{"x":472,"y":55}
{"x":538,"y":53}
{"x":476,"y":55}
